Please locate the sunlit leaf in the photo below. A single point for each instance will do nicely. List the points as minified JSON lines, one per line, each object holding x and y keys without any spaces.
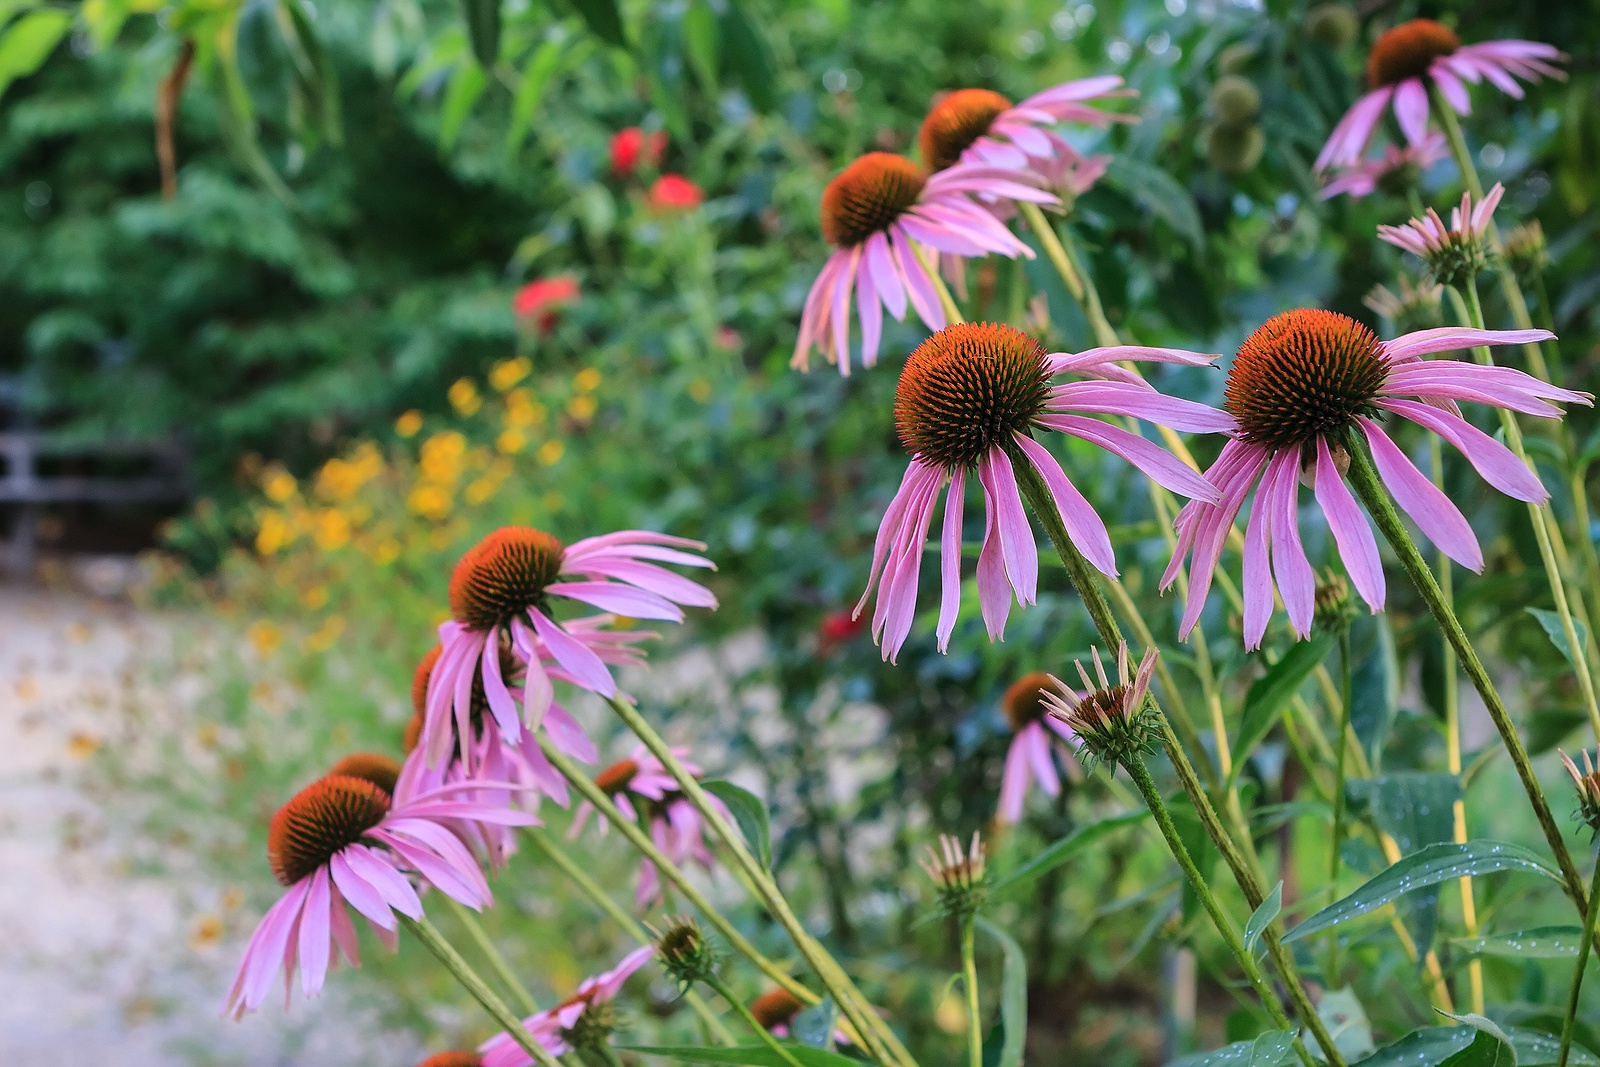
{"x":1271,"y":1049}
{"x":750,"y":812}
{"x":1262,"y":917}
{"x":1073,"y":845}
{"x":1539,"y":943}
{"x":1013,"y":994}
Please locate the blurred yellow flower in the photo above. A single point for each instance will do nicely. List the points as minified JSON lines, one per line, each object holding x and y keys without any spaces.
{"x":207,"y":931}
{"x":523,"y":410}
{"x":264,"y":636}
{"x":511,"y":442}
{"x":278,"y":484}
{"x":340,"y":479}
{"x":273,"y":533}
{"x":480,"y":489}
{"x":509,"y":372}
{"x":582,"y":407}
{"x":315,"y":597}
{"x":550,"y":453}
{"x":464,"y":397}
{"x":387,"y":552}
{"x":322,"y":638}
{"x":429,"y":501}
{"x":408,"y":423}
{"x":587,"y":380}
{"x":82,"y":745}
{"x":333,"y":530}
{"x":700,"y":390}
{"x":442,"y":456}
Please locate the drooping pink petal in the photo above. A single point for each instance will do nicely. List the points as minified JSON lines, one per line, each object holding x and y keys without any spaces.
{"x":1156,"y":462}
{"x":1455,"y":338}
{"x":574,"y":656}
{"x":1411,"y":109}
{"x":315,"y":934}
{"x":1083,"y":523}
{"x":501,"y":705}
{"x":1044,"y":768}
{"x":1257,"y":577}
{"x":994,"y":595}
{"x":950,"y":559}
{"x":1297,"y":582}
{"x":362,"y":896}
{"x":1116,"y":398}
{"x":1357,"y":547}
{"x":1498,"y":465}
{"x":1435,"y":514}
{"x":1013,"y":783}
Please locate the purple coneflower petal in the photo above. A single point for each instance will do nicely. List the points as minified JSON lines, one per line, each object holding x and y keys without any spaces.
{"x":1116,"y":398}
{"x":574,"y":656}
{"x":950,"y":559}
{"x":1455,"y":338}
{"x":1349,"y":138}
{"x":1083,"y":523}
{"x":1297,"y":582}
{"x":1257,"y":576}
{"x":919,"y":289}
{"x":1017,"y":547}
{"x":994,"y":595}
{"x":1411,"y":109}
{"x":1157,"y":463}
{"x":315,"y":935}
{"x":362,"y":896}
{"x":1498,"y":465}
{"x":1435,"y":514}
{"x":1044,"y":768}
{"x":1351,"y":533}
{"x":1013,"y":783}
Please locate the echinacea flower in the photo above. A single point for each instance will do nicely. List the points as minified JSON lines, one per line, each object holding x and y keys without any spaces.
{"x":1417,"y":305}
{"x":453,"y":1058}
{"x":343,"y":840}
{"x":644,"y":791}
{"x":1031,"y":757}
{"x":1587,"y":783}
{"x":959,"y":875}
{"x":1300,"y":388}
{"x":631,"y":144}
{"x":1396,"y":171}
{"x":501,"y":595}
{"x":1414,"y":55}
{"x":981,"y":126}
{"x":1110,"y":718}
{"x":879,"y":213}
{"x":672,"y":193}
{"x":969,"y":400}
{"x":1454,"y":254}
{"x":540,"y":299}
{"x":584,"y":1020}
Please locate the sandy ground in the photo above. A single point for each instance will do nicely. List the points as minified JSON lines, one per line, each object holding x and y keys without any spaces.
{"x":102,"y":965}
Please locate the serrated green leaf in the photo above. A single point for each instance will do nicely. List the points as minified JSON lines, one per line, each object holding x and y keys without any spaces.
{"x":750,"y":812}
{"x":1539,"y":943}
{"x":1262,"y":917}
{"x":1013,"y":994}
{"x":1073,"y":845}
{"x":1491,"y":1046}
{"x":28,"y":42}
{"x":750,"y":1056}
{"x":1427,"y":867}
{"x":1557,"y":633}
{"x":1270,"y":693}
{"x":1271,"y":1049}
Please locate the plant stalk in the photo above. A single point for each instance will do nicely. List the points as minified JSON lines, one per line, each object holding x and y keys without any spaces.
{"x":743,"y":1012}
{"x":1584,"y":944}
{"x":497,"y":963}
{"x":969,"y":978}
{"x":1338,"y":794}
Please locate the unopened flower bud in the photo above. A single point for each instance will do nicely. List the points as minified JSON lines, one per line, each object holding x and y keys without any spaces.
{"x":1526,"y":250}
{"x":685,"y":952}
{"x":958,"y":875}
{"x":1235,"y":150}
{"x":1334,"y":608}
{"x":1235,"y":100}
{"x":1112,"y":719}
{"x":1587,"y":782}
{"x":1335,"y":25}
{"x":1235,"y":57}
{"x":1417,"y":306}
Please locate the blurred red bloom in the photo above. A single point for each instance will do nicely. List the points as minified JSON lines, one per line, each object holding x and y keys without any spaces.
{"x":629,"y":145}
{"x":836,"y":628}
{"x":540,"y":299}
{"x":674,"y":192}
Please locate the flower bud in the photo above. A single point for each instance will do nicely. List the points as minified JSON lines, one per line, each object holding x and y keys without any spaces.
{"x":1587,"y":782}
{"x":1334,"y":608}
{"x":1417,"y":306}
{"x":958,"y":875}
{"x":1235,"y":150}
{"x":1235,"y":100}
{"x":1335,"y":25}
{"x":1525,"y":249}
{"x":684,"y":950}
{"x":1113,"y":720}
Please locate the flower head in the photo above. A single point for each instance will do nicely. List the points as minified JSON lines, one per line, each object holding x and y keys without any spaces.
{"x":672,"y":193}
{"x":969,"y":401}
{"x":456,"y":1058}
{"x":382,"y":771}
{"x":958,"y":875}
{"x":344,"y":840}
{"x":582,"y":1021}
{"x":540,"y":299}
{"x":1030,"y":757}
{"x":1112,"y":719}
{"x":983,"y":127}
{"x":1406,"y":60}
{"x":1525,"y":249}
{"x":1397,"y":171}
{"x":1416,"y":306}
{"x":882,"y":215}
{"x":775,"y":1009}
{"x":1454,"y":254}
{"x":1301,"y":389}
{"x":1587,"y":783}
{"x":501,"y":597}
{"x":685,"y":952}
{"x":631,"y":145}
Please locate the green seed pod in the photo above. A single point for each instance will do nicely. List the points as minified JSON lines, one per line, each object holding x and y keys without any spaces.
{"x":1235,"y":150}
{"x":1235,"y":101}
{"x":1335,"y":25}
{"x":1235,"y":57}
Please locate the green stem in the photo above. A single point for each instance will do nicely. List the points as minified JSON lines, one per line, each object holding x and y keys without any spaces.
{"x":969,"y":977}
{"x":608,"y":1054}
{"x":434,"y":942}
{"x":634,"y":929}
{"x":1053,"y":250}
{"x":1082,"y":576}
{"x":1338,"y":795}
{"x":1104,"y":334}
{"x":1152,"y":798}
{"x":930,"y":265}
{"x":762,"y":1032}
{"x":497,"y":963}
{"x":851,"y":1002}
{"x":1577,"y":972}
{"x":1364,"y":480}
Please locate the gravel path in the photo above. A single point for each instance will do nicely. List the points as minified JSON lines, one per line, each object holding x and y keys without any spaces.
{"x":102,"y":964}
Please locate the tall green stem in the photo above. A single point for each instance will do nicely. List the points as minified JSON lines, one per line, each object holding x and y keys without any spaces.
{"x":1158,"y":808}
{"x":851,"y":1002}
{"x":1364,"y":479}
{"x":1338,"y":794}
{"x":634,"y":929}
{"x":1584,"y":948}
{"x":969,"y":978}
{"x":497,"y":963}
{"x":434,"y":942}
{"x":761,"y":1032}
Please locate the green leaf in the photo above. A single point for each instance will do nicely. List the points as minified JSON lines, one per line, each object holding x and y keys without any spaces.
{"x":1160,"y":194}
{"x":749,"y":1055}
{"x":1434,"y":1045}
{"x":1273,"y":690}
{"x":700,"y":41}
{"x":1415,"y":808}
{"x":1262,"y":917}
{"x":322,"y":80}
{"x":1013,"y":994}
{"x":816,"y":1025}
{"x":28,"y":42}
{"x":1557,"y":633}
{"x":1271,"y":1049}
{"x":536,"y":75}
{"x":1539,"y":943}
{"x":750,"y":55}
{"x":1535,"y":1048}
{"x":1375,"y":682}
{"x":1491,"y":1047}
{"x":1427,"y":867}
{"x":750,"y":813}
{"x":1341,"y":1012}
{"x":466,"y":86}
{"x":483,"y":29}
{"x":1068,"y":848}
{"x":603,"y":20}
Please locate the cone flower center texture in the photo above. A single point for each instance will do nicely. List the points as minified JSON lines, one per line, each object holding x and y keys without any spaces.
{"x":382,"y":771}
{"x":325,"y":817}
{"x":955,"y":122}
{"x":967,"y":389}
{"x":1408,"y":50}
{"x":1304,"y":375}
{"x":503,"y":575}
{"x":867,"y":196}
{"x":776,"y":1007}
{"x":615,"y":778}
{"x":453,"y":1059}
{"x":1024,"y":700}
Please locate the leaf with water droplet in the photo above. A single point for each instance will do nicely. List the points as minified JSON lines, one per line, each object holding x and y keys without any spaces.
{"x":1271,"y":1049}
{"x":1262,"y":917}
{"x":1539,"y":943}
{"x":1491,"y":1046}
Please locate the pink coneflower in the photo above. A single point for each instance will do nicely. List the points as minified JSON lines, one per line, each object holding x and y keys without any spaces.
{"x":1031,"y":756}
{"x":643,"y":790}
{"x":584,"y":1020}
{"x":1397,"y":170}
{"x":876,"y":213}
{"x":454,"y":1058}
{"x":539,"y":300}
{"x":1447,"y":249}
{"x":344,"y":840}
{"x":500,"y":596}
{"x":1415,"y":54}
{"x":672,"y":193}
{"x":1300,"y":387}
{"x":968,"y":402}
{"x":631,"y":145}
{"x":1109,"y":717}
{"x":980,"y":126}
{"x":776,"y":1010}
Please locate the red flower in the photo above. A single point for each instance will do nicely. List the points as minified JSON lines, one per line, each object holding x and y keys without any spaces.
{"x":539,"y":299}
{"x":674,"y":192}
{"x":836,"y":628}
{"x":627,"y":146}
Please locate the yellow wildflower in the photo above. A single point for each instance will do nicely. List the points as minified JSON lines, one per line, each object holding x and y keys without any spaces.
{"x":442,"y":456}
{"x":278,"y":484}
{"x":322,"y":638}
{"x":582,"y":407}
{"x":264,"y":636}
{"x":550,"y":453}
{"x":429,"y":501}
{"x":587,"y":380}
{"x":464,"y":397}
{"x":387,"y":552}
{"x":333,"y":529}
{"x":481,"y":489}
{"x":408,"y":423}
{"x":511,"y":441}
{"x":273,"y":534}
{"x":315,"y":597}
{"x":509,"y":372}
